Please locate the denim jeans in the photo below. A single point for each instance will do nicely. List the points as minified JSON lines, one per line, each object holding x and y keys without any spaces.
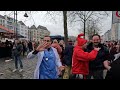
{"x":18,"y":60}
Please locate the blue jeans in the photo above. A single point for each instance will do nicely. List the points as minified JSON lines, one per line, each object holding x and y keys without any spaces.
{"x":18,"y":59}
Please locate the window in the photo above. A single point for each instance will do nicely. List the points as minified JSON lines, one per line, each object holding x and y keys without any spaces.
{"x":21,"y":29}
{"x":22,"y":26}
{"x":22,"y":33}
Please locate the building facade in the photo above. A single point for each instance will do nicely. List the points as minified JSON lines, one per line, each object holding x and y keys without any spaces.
{"x":2,"y":20}
{"x":119,"y":31}
{"x":37,"y":33}
{"x":22,"y":29}
{"x":33,"y":33}
{"x":9,"y":22}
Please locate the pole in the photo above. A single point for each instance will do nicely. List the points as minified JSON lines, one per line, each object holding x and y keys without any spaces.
{"x":16,"y":25}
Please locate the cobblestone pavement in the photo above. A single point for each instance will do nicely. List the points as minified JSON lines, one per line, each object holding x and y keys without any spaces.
{"x":7,"y":67}
{"x":27,"y":73}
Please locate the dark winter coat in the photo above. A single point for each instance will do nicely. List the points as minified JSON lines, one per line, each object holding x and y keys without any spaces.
{"x":103,"y":54}
{"x":68,"y":52}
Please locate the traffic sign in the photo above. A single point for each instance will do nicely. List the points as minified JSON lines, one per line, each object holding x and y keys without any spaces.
{"x":118,"y":14}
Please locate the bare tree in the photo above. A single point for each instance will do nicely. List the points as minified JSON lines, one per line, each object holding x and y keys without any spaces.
{"x":65,"y":27}
{"x":78,"y":16}
{"x":92,"y":28}
{"x":53,"y":14}
{"x":84,"y":16}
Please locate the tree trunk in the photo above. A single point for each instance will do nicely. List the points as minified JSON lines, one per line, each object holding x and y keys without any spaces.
{"x":65,"y":27}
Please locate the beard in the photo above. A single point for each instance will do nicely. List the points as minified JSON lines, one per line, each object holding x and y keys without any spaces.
{"x":96,"y":44}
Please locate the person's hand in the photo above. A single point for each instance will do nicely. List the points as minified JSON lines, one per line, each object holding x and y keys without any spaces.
{"x":42,"y":46}
{"x":107,"y":64}
{"x":97,"y":48}
{"x":61,"y":68}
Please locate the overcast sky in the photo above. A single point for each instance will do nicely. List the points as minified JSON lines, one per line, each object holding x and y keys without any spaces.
{"x":55,"y":27}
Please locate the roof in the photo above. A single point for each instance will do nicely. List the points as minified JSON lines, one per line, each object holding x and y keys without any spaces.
{"x":6,"y":29}
{"x":33,"y":27}
{"x":2,"y":17}
{"x":21,"y":23}
{"x":42,"y":27}
{"x":9,"y":17}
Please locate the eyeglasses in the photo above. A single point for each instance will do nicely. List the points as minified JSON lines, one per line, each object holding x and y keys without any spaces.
{"x":46,"y":40}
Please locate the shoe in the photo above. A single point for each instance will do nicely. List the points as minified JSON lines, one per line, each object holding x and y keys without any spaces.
{"x":1,"y":73}
{"x":10,"y":59}
{"x":20,"y":70}
{"x":7,"y":60}
{"x":14,"y":70}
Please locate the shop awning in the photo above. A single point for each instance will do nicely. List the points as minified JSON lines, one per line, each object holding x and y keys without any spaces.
{"x":4,"y":29}
{"x":1,"y":30}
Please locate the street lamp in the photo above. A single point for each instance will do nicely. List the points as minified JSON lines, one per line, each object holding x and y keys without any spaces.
{"x":25,"y":15}
{"x":29,"y":32}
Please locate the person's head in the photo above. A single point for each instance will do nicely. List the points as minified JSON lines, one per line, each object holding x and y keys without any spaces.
{"x":17,"y":41}
{"x":96,"y":39}
{"x":84,"y":46}
{"x":55,"y":41}
{"x":70,"y":42}
{"x":81,"y":41}
{"x":61,"y":42}
{"x":48,"y":40}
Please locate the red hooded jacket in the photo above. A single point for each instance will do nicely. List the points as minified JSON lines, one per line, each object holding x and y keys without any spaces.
{"x":80,"y":60}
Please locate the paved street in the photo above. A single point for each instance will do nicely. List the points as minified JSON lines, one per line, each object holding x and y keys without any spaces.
{"x":7,"y":67}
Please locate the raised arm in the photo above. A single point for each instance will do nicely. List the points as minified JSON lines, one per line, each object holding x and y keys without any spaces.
{"x":85,"y":56}
{"x":40,"y":48}
{"x":32,"y":54}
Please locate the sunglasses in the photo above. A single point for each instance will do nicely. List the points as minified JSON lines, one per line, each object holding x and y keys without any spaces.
{"x":46,"y":40}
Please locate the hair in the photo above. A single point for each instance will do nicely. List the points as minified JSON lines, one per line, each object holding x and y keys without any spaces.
{"x":115,"y":43}
{"x":61,"y":42}
{"x":95,"y":35}
{"x":55,"y":41}
{"x":48,"y":36}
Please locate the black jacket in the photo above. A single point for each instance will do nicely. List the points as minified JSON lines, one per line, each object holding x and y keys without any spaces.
{"x":103,"y":55}
{"x":18,"y":50}
{"x":114,"y":72}
{"x":68,"y":52}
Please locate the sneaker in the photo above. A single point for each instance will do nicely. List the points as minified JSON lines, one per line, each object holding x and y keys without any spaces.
{"x":1,"y":73}
{"x":7,"y":60}
{"x":20,"y":70}
{"x":14,"y":70}
{"x":10,"y":59}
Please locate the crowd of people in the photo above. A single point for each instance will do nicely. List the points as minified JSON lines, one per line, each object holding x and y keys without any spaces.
{"x":16,"y":50}
{"x":81,"y":59}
